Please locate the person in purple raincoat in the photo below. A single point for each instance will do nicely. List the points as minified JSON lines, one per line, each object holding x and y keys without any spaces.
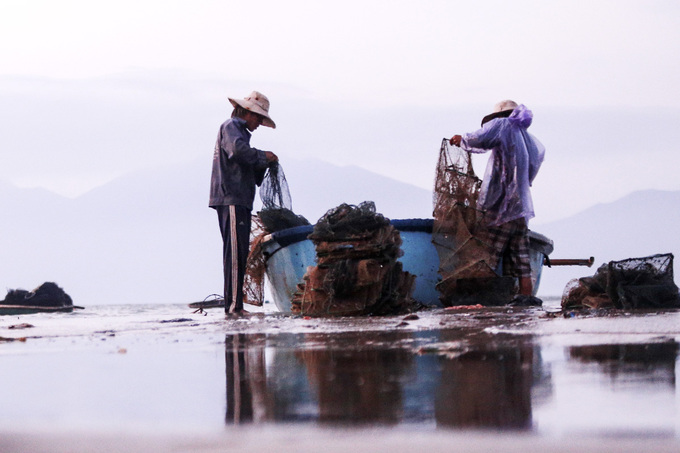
{"x":505,"y":195}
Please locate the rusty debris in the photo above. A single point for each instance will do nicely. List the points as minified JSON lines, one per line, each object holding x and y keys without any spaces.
{"x":627,"y":284}
{"x":357,"y":271}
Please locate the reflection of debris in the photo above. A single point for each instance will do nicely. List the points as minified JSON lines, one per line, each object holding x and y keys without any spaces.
{"x":24,"y":325}
{"x":652,"y":361}
{"x":5,"y":339}
{"x":449,"y":350}
{"x":357,"y":270}
{"x":632,"y":283}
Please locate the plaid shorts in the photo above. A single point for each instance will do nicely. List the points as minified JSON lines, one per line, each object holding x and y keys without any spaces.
{"x":509,"y":241}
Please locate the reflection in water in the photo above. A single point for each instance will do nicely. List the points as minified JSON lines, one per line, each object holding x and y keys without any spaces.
{"x":379,"y":378}
{"x":358,"y":386}
{"x":488,"y":387}
{"x":652,"y":362}
{"x":247,"y":396}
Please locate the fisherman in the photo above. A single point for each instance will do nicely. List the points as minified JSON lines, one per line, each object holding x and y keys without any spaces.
{"x":237,"y":169}
{"x":505,"y":195}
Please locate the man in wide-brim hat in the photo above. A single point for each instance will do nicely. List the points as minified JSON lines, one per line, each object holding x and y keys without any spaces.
{"x":237,"y":169}
{"x":505,"y":195}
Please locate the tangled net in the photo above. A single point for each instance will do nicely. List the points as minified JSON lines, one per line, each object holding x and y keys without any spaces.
{"x":253,"y":282}
{"x":631,"y":283}
{"x":463,"y":259}
{"x":276,"y":214}
{"x":357,"y":271}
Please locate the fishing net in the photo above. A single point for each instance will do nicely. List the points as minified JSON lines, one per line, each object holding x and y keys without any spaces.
{"x":276,"y":214}
{"x":357,"y":271}
{"x":277,"y":206}
{"x":464,"y":260}
{"x":631,"y":283}
{"x":253,"y":282}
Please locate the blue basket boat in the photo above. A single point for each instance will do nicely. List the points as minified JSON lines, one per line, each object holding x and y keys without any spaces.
{"x":289,"y":252}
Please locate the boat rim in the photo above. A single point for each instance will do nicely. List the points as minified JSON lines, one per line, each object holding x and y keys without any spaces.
{"x":300,"y":233}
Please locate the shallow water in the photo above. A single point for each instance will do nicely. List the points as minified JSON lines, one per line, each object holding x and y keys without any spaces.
{"x":160,"y":367}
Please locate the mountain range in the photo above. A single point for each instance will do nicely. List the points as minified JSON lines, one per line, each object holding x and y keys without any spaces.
{"x":149,"y":237}
{"x":641,"y":224}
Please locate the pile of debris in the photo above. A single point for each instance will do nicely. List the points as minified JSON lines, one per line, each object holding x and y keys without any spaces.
{"x":357,"y":271}
{"x":48,"y":294}
{"x":628,"y":284}
{"x":467,"y":278}
{"x":46,"y":297}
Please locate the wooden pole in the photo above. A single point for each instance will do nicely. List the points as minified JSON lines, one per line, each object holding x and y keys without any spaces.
{"x":569,"y":262}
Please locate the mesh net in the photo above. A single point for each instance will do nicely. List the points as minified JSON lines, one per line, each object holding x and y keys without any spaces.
{"x":463,"y":258}
{"x":631,"y":283}
{"x":277,"y":206}
{"x":357,"y":271}
{"x":253,"y":283}
{"x":274,"y":191}
{"x":276,"y":214}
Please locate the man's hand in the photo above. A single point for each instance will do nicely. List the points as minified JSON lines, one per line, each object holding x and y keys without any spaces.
{"x":271,"y":157}
{"x":455,"y":140}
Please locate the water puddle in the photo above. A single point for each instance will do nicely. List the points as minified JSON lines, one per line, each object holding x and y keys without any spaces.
{"x":452,"y":378}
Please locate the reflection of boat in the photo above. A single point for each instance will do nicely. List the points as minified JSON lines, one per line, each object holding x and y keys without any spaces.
{"x":289,"y":253}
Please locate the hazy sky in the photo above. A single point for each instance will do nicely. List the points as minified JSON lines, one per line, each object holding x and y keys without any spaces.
{"x":90,"y":90}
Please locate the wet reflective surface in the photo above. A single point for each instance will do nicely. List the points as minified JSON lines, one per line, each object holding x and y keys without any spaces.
{"x":453,"y":379}
{"x":515,"y":371}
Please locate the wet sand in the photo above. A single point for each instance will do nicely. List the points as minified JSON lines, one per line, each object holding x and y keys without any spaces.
{"x":162,"y":378}
{"x":294,"y":440}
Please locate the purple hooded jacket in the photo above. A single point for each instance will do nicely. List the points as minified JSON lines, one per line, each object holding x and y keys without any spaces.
{"x":515,"y":159}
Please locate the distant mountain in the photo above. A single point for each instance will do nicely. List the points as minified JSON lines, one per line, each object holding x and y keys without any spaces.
{"x":641,"y":224}
{"x":150,"y":236}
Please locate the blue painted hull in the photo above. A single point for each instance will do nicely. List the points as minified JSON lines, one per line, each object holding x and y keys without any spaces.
{"x":289,"y":253}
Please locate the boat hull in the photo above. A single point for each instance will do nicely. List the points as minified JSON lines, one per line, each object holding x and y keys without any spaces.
{"x":288,"y":254}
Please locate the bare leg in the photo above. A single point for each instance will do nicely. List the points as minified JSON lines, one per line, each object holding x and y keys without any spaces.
{"x":525,"y":286}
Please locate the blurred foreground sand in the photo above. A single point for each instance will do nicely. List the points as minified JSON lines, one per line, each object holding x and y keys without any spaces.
{"x":305,"y":439}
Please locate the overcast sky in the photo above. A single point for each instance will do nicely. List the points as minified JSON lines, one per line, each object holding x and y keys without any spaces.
{"x":91,"y":90}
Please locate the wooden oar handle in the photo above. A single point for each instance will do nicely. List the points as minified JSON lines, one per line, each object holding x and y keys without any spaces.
{"x":569,"y":262}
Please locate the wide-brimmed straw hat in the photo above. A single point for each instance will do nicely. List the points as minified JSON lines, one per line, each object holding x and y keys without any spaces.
{"x":502,"y":109}
{"x":258,"y":103}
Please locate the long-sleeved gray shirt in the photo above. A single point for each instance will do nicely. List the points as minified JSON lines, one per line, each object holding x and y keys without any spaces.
{"x":237,"y":167}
